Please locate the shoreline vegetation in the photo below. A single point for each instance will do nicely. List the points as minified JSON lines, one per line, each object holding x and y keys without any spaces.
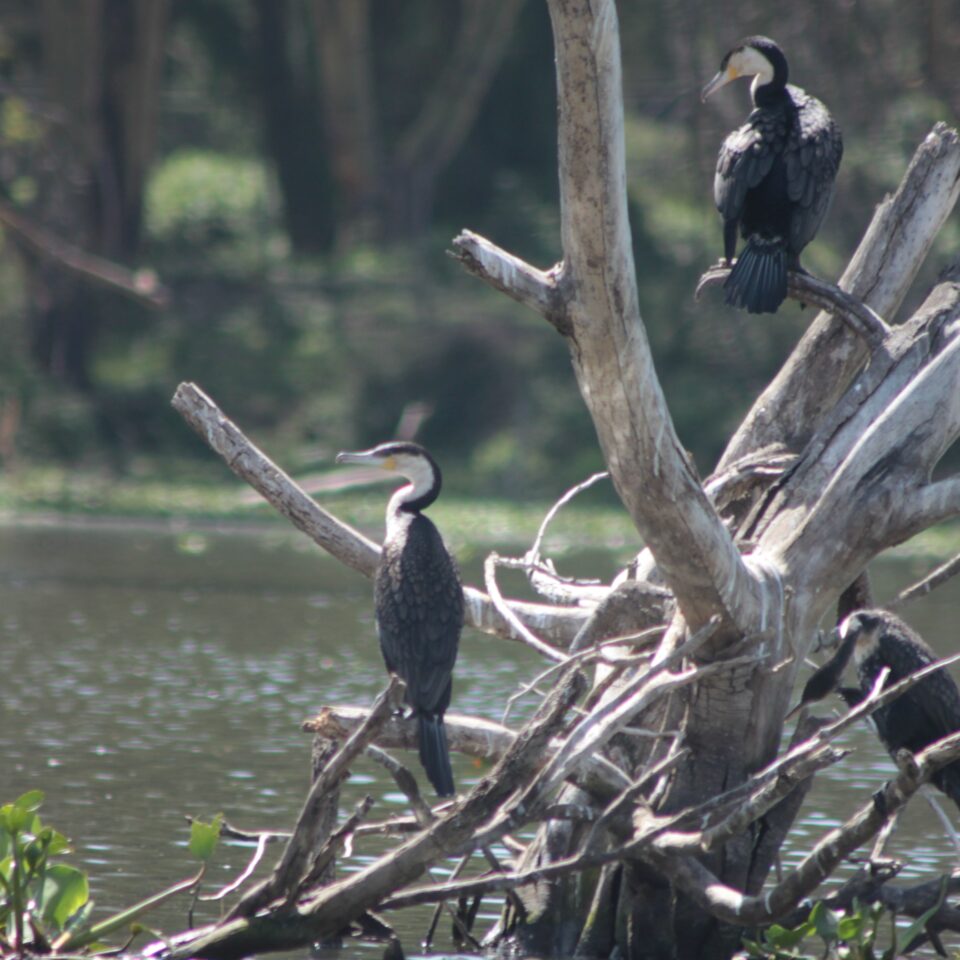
{"x":53,"y":496}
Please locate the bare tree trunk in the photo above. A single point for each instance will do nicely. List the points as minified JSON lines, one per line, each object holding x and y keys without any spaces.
{"x":833,"y":465}
{"x":825,"y":520}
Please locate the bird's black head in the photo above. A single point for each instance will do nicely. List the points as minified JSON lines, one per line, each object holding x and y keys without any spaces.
{"x":757,"y":57}
{"x":409,"y":460}
{"x":861,"y":624}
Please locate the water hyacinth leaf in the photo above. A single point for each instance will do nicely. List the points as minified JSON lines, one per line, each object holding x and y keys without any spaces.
{"x":824,"y":921}
{"x":919,"y":925}
{"x":204,"y":837}
{"x":56,"y":842}
{"x":785,"y":939}
{"x":65,"y":891}
{"x":15,"y":819}
{"x":850,"y":928}
{"x":30,"y":801}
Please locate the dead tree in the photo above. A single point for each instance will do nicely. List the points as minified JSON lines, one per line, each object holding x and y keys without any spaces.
{"x":651,"y":845}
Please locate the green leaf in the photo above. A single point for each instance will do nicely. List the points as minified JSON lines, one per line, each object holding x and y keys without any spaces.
{"x":824,"y":921}
{"x":204,"y":837}
{"x":58,"y":843}
{"x":918,"y":925}
{"x":14,"y":819}
{"x":785,"y":939}
{"x":65,"y":891}
{"x":76,"y":939}
{"x":30,"y":801}
{"x":850,"y":928}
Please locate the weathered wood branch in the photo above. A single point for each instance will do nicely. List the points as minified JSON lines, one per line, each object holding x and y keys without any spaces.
{"x":932,"y":580}
{"x":599,"y":315}
{"x":292,"y":868}
{"x":864,"y":482}
{"x":807,"y":289}
{"x":879,"y":275}
{"x":339,"y":539}
{"x":734,"y":907}
{"x":471,"y":736}
{"x":328,"y":910}
{"x":536,"y":289}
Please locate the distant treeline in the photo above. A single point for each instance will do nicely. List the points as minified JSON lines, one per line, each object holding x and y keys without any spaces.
{"x":257,"y":195}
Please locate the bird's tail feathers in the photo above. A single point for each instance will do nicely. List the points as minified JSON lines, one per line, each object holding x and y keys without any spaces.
{"x":435,"y":754}
{"x":758,"y":280}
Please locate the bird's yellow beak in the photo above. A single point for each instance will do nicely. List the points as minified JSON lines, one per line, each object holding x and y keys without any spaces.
{"x":369,"y":458}
{"x":720,"y":80}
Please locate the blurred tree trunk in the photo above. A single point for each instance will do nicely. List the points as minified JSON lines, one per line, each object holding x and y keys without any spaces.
{"x":102,"y":67}
{"x":293,"y":131}
{"x":386,"y":190}
{"x":350,"y":113}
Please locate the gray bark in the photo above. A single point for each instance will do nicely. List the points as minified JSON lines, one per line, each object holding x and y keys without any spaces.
{"x":832,"y":466}
{"x":857,"y":445}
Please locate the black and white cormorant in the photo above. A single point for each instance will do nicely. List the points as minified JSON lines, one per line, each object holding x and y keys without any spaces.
{"x":922,"y":715}
{"x":418,"y":600}
{"x":774,"y":177}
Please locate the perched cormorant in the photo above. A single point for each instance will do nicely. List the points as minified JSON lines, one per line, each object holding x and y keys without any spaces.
{"x":922,"y":715}
{"x":774,"y":175}
{"x":418,"y":600}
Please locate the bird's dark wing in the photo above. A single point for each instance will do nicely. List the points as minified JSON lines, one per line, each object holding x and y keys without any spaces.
{"x":925,"y":713}
{"x":419,"y":604}
{"x":746,"y":157}
{"x":812,"y":157}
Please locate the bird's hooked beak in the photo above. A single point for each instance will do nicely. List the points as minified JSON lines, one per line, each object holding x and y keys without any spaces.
{"x":724,"y":77}
{"x":794,"y":711}
{"x":370,"y":458}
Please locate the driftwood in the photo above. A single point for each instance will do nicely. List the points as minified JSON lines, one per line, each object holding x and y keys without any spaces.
{"x":657,"y":779}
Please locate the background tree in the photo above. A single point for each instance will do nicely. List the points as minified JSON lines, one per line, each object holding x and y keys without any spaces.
{"x":248,"y":228}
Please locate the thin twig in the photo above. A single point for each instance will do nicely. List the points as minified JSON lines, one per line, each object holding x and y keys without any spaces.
{"x":930,"y":582}
{"x":490,"y":579}
{"x":406,"y":782}
{"x":262,"y":842}
{"x":586,"y":656}
{"x":622,"y":805}
{"x":534,"y":552}
{"x":340,"y":839}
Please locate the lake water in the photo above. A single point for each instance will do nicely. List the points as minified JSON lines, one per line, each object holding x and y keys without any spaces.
{"x":152,"y":674}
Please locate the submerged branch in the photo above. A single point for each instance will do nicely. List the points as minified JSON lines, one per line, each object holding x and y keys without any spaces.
{"x":453,"y":834}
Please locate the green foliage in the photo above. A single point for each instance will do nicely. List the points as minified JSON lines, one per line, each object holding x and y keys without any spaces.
{"x":847,"y":936}
{"x":38,"y":898}
{"x":204,"y":837}
{"x":199,"y":198}
{"x":46,"y":905}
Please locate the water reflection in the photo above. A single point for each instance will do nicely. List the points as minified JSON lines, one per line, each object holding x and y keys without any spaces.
{"x":148,"y":675}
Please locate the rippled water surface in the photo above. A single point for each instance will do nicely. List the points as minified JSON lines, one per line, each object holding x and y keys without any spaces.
{"x":148,"y":675}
